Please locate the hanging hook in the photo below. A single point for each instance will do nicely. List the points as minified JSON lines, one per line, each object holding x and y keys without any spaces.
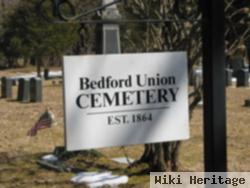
{"x":59,"y":9}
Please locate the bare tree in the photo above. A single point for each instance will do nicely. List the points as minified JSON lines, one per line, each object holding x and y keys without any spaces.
{"x":181,"y":31}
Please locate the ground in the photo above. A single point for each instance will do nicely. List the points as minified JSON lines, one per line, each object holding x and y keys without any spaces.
{"x":19,"y":153}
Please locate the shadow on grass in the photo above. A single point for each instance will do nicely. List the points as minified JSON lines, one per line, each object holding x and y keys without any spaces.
{"x":22,"y":170}
{"x":18,"y":101}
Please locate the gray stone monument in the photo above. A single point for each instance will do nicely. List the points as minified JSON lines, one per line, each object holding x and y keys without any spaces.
{"x":6,"y":87}
{"x":229,"y":76}
{"x":110,"y":32}
{"x":197,"y":79}
{"x":242,"y":78}
{"x":35,"y":90}
{"x":23,"y":94}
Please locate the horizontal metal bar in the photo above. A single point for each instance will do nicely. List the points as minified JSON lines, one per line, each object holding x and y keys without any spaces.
{"x":92,"y":11}
{"x":123,"y":21}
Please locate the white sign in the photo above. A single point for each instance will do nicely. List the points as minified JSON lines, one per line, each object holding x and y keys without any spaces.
{"x":114,"y":100}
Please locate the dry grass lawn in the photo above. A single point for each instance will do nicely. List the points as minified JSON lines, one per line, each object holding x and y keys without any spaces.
{"x":18,"y":153}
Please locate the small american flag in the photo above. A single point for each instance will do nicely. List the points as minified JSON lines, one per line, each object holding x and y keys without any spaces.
{"x":45,"y":121}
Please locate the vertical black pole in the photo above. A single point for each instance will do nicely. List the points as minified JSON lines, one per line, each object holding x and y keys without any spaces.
{"x":215,"y":154}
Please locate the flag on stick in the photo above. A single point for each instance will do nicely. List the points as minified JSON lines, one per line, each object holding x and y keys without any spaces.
{"x":45,"y":121}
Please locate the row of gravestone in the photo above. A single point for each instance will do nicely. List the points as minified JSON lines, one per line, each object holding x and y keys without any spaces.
{"x":29,"y":89}
{"x":241,"y":77}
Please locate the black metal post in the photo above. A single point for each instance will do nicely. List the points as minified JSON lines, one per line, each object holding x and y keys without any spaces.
{"x":214,"y":85}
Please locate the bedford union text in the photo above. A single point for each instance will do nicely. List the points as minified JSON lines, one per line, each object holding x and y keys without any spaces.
{"x":108,"y":82}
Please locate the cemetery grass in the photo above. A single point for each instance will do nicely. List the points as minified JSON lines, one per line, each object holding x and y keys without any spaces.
{"x":19,"y":153}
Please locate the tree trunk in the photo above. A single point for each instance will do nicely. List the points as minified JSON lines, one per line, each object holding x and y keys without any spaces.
{"x":38,"y":66}
{"x":26,"y":62}
{"x":159,"y":164}
{"x":11,"y":62}
{"x":148,"y":153}
{"x":162,"y":156}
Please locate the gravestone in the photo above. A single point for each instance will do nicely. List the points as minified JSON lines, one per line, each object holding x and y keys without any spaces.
{"x":229,"y":76}
{"x":46,"y":74}
{"x":248,"y":53}
{"x":23,"y":90}
{"x":242,"y":78}
{"x":111,"y":39}
{"x":197,"y":78}
{"x":236,"y":64}
{"x":35,"y":90}
{"x":110,"y":32}
{"x":14,"y":82}
{"x":6,"y":87}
